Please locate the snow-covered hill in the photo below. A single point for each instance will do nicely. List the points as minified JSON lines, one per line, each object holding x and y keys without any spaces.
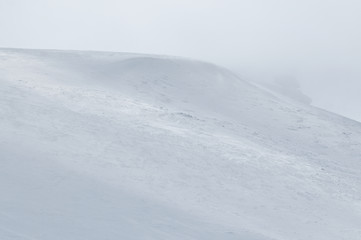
{"x":112,"y":146}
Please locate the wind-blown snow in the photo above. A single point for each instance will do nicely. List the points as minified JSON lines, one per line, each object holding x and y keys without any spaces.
{"x":127,"y":146}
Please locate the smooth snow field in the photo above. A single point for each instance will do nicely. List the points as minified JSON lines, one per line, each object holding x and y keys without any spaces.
{"x":110,"y":146}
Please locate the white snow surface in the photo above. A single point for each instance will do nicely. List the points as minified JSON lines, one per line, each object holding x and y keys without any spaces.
{"x":97,"y":145}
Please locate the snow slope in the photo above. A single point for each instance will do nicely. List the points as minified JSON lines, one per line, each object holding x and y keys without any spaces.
{"x":98,"y":145}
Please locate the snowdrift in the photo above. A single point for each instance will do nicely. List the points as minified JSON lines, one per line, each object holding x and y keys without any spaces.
{"x":98,"y":145}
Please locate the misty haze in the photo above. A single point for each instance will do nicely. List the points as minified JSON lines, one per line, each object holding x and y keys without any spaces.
{"x":175,"y":120}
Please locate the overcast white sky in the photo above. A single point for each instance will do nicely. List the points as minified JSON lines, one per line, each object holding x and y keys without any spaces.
{"x":317,"y":41}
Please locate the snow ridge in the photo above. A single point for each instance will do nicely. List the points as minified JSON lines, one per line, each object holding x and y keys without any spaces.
{"x":98,"y":145}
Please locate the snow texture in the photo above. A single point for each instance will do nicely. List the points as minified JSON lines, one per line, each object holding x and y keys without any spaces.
{"x":97,"y":145}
